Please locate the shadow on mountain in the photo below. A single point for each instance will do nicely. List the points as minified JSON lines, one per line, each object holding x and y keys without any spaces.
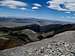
{"x":17,"y":36}
{"x":18,"y":32}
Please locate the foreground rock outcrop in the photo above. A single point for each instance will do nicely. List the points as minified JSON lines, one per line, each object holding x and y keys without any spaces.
{"x":62,"y":44}
{"x":66,"y":36}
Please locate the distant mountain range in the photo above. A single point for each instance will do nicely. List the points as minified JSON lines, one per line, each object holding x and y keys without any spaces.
{"x":5,"y":21}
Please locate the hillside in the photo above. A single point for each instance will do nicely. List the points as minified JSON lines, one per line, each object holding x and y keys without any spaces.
{"x":11,"y":37}
{"x":61,"y":44}
{"x":21,"y":31}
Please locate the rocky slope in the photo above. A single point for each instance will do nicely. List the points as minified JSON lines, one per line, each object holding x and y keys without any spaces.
{"x":11,"y":37}
{"x":62,"y":44}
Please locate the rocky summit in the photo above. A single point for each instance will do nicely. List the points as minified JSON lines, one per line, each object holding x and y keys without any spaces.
{"x":55,"y":46}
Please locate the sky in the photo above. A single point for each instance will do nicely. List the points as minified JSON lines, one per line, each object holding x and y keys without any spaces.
{"x":63,"y":10}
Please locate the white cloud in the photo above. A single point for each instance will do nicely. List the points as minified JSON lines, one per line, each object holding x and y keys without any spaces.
{"x":13,"y":4}
{"x":23,"y":8}
{"x":38,"y":5}
{"x":68,"y":4}
{"x":35,"y":8}
{"x":54,"y":4}
{"x":68,"y":12}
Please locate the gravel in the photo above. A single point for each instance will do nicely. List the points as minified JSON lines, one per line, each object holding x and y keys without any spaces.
{"x":54,"y":48}
{"x":62,"y":44}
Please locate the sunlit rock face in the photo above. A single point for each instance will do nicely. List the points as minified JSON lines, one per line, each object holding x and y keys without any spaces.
{"x":66,"y":36}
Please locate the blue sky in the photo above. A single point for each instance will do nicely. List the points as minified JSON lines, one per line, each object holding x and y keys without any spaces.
{"x":41,"y":9}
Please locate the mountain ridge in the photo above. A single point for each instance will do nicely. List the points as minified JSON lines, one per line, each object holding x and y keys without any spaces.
{"x":23,"y":21}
